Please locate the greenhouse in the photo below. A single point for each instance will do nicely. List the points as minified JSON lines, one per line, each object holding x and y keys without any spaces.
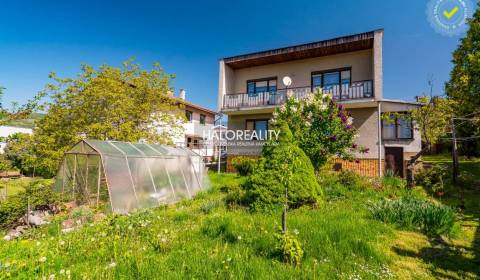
{"x":126,"y":176}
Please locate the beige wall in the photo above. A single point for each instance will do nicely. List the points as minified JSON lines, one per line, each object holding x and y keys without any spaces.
{"x":365,"y":121}
{"x":300,"y":70}
{"x":210,"y":118}
{"x":238,"y":122}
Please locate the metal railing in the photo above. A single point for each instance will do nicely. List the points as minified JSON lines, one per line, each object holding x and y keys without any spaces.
{"x":355,"y":90}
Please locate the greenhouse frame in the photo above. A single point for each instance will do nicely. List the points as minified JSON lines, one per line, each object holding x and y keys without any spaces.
{"x":125,"y":176}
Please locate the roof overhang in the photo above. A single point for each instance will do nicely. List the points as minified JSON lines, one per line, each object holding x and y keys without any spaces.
{"x":351,"y":43}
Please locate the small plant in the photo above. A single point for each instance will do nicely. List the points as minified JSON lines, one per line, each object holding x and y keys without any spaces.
{"x":243,"y":165}
{"x":412,"y":213}
{"x":289,"y":248}
{"x":351,"y":180}
{"x":391,"y":180}
{"x":432,"y":179}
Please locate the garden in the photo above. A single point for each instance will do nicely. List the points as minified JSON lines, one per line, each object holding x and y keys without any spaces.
{"x":354,"y":234}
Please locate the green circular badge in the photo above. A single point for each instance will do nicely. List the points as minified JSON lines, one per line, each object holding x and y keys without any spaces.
{"x":449,"y":17}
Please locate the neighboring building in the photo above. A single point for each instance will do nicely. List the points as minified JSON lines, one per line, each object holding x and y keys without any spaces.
{"x":349,"y":68}
{"x":6,"y":131}
{"x":198,"y":129}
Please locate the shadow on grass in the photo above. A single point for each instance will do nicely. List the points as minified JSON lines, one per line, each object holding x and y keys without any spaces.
{"x":450,"y":258}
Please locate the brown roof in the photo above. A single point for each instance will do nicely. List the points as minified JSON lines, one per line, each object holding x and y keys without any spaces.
{"x":343,"y":44}
{"x":198,"y":107}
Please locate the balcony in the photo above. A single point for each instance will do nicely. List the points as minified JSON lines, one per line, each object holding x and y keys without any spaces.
{"x":356,"y":90}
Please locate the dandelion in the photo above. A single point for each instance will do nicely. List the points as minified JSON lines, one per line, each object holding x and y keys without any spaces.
{"x":43,"y":259}
{"x":62,"y":271}
{"x":239,"y":237}
{"x":61,"y":242}
{"x":111,"y":265}
{"x":51,"y":277}
{"x":296,"y":231}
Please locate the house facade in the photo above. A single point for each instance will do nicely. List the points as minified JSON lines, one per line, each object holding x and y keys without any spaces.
{"x":198,"y":129}
{"x":349,"y":68}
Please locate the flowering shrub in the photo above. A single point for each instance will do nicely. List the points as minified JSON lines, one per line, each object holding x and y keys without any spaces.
{"x":322,"y":128}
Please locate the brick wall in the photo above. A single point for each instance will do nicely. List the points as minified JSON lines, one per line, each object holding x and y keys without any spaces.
{"x":365,"y":167}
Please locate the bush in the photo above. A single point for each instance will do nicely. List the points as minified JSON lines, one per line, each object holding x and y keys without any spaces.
{"x":282,"y":164}
{"x":390,"y":180}
{"x":243,"y":165}
{"x":432,"y":179}
{"x":411,"y":213}
{"x":38,"y":194}
{"x":351,"y":180}
{"x":289,"y":248}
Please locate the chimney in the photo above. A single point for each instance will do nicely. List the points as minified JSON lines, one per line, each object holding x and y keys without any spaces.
{"x":182,"y":93}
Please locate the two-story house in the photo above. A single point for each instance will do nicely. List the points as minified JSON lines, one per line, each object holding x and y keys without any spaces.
{"x":198,"y":129}
{"x":349,"y":68}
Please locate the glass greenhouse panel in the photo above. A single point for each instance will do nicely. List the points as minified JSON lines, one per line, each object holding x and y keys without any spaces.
{"x":125,"y":176}
{"x":122,"y":195}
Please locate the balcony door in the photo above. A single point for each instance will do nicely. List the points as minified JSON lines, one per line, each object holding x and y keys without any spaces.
{"x":334,"y":82}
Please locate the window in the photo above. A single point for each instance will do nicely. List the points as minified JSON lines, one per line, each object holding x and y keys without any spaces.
{"x":255,"y":87}
{"x":189,"y":115}
{"x":202,"y":118}
{"x":398,"y":127}
{"x":329,"y":80}
{"x":259,"y":126}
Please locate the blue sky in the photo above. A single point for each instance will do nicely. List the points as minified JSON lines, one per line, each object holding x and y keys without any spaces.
{"x":188,"y":38}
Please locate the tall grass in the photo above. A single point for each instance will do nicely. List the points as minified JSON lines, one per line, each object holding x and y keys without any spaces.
{"x":414,"y":214}
{"x":205,"y":239}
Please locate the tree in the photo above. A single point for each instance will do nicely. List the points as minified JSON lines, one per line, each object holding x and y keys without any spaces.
{"x":464,"y":84}
{"x":282,"y":165}
{"x":432,"y":119}
{"x":125,"y":104}
{"x":17,"y":112}
{"x":20,"y":151}
{"x":322,"y":128}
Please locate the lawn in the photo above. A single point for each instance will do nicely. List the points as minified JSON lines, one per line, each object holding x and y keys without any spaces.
{"x":205,"y":239}
{"x":14,"y":186}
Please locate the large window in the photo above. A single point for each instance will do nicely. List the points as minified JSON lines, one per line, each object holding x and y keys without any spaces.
{"x":255,"y":87}
{"x":330,"y":80}
{"x":259,"y":126}
{"x":189,"y":115}
{"x":397,"y":127}
{"x":202,"y":118}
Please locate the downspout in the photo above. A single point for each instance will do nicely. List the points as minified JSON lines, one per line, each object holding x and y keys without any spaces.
{"x":379,"y":129}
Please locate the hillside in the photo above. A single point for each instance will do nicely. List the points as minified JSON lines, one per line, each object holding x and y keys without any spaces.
{"x":204,"y":238}
{"x":27,"y":123}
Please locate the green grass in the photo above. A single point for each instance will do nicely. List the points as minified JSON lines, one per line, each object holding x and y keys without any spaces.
{"x":14,"y":186}
{"x":204,"y":239}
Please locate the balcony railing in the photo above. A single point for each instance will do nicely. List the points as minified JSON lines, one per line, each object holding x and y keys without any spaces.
{"x":355,"y":90}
